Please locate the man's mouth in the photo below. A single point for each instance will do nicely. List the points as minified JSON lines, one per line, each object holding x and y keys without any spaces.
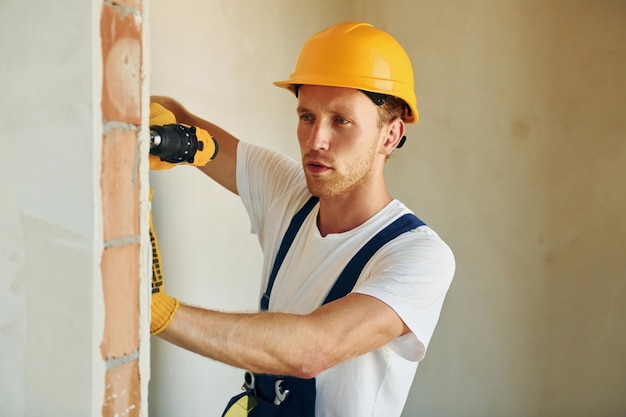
{"x":316,"y":167}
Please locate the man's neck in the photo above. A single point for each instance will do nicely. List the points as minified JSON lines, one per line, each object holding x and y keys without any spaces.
{"x":344,"y":213}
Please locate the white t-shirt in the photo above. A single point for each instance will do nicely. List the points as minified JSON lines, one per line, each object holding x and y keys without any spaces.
{"x":411,"y":274}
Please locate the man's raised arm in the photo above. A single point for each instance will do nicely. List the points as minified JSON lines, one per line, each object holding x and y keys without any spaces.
{"x":223,"y":168}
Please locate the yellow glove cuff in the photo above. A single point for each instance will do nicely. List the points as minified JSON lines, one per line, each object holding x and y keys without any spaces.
{"x":162,"y":310}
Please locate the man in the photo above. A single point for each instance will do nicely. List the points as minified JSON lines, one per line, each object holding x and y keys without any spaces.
{"x":354,"y":86}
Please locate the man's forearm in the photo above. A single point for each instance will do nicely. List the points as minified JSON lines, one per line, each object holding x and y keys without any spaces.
{"x":287,"y":344}
{"x":275,"y":343}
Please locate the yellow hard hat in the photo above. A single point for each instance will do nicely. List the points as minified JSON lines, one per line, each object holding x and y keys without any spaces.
{"x":356,"y":55}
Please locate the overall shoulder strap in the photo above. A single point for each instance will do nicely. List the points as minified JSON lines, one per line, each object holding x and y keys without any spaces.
{"x":290,"y":235}
{"x":351,"y":272}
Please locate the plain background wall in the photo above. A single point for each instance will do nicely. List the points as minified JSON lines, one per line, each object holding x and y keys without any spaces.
{"x":519,"y":162}
{"x":51,"y":308}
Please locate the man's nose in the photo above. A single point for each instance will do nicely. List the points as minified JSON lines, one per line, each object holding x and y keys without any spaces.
{"x":318,"y":137}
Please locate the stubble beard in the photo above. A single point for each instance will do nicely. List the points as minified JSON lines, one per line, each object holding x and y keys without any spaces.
{"x":342,"y":179}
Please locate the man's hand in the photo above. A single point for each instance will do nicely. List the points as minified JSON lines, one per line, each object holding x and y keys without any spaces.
{"x":198,"y":145}
{"x":223,"y":168}
{"x":163,"y":306}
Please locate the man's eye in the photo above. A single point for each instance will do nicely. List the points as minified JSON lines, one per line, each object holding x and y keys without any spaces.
{"x":341,"y":121}
{"x":306,"y":117}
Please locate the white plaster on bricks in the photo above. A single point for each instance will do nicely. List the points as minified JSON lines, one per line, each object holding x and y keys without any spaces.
{"x":112,"y":363}
{"x":124,"y":240}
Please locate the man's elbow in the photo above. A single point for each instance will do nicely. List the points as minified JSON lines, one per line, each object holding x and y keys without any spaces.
{"x":314,"y":359}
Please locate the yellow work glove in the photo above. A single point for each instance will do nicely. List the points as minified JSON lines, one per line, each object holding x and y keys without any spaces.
{"x":162,"y":307}
{"x":207,"y":146}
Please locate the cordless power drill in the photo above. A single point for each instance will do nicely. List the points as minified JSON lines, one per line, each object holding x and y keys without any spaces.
{"x":174,"y":143}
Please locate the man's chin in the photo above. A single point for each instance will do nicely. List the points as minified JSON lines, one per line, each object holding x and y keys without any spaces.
{"x":319,"y":190}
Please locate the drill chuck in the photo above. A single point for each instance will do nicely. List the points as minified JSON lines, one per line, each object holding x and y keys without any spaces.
{"x":175,"y":143}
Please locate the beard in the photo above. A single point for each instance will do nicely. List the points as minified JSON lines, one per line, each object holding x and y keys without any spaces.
{"x":344,"y":177}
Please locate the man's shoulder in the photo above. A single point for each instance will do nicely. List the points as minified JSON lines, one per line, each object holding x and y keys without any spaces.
{"x":419,"y":240}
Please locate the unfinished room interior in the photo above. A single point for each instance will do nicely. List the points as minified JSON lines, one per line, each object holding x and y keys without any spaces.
{"x":518,"y":161}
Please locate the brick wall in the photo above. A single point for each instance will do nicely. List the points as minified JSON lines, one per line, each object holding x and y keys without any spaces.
{"x":121,"y":32}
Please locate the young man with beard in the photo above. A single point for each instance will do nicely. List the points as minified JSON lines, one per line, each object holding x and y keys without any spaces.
{"x":354,"y":89}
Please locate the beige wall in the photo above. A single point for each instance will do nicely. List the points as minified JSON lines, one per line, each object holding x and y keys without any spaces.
{"x":521,"y":165}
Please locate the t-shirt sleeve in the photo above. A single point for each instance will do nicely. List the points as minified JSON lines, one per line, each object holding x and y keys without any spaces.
{"x":412,"y":275}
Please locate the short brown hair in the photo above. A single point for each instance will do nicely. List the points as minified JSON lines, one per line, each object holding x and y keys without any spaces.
{"x":392,"y":108}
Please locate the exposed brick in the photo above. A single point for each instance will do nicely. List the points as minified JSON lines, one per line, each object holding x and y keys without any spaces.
{"x":122,"y":58}
{"x":121,"y":36}
{"x":120,"y":282}
{"x":122,"y":391}
{"x":120,"y":184}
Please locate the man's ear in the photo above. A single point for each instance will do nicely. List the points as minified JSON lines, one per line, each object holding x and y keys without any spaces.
{"x":394,"y":134}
